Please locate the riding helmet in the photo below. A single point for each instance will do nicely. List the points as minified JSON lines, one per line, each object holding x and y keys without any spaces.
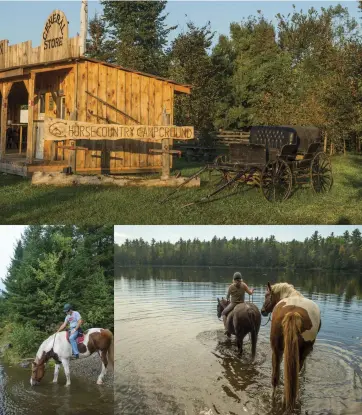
{"x":67,"y":307}
{"x":237,"y":276}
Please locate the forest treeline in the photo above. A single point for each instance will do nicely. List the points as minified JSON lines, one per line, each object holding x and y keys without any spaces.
{"x":332,"y":252}
{"x":304,"y":68}
{"x":51,"y":266}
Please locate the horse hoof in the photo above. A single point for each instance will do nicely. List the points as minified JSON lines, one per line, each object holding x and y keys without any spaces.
{"x":99,"y":382}
{"x":67,"y":384}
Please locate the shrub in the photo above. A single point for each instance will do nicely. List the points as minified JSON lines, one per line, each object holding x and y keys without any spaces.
{"x":25,"y":339}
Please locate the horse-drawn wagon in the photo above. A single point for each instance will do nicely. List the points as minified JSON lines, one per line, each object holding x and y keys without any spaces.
{"x":275,"y":159}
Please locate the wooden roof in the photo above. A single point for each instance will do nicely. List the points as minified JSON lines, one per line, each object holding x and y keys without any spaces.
{"x":27,"y":68}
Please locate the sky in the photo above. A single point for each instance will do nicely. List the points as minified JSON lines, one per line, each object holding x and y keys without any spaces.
{"x":24,"y":20}
{"x":9,"y":235}
{"x":174,"y":233}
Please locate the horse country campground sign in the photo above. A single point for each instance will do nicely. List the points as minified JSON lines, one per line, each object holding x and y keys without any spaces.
{"x":58,"y":129}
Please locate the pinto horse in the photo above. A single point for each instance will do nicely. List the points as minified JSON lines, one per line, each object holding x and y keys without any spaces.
{"x":295,"y":324}
{"x":57,"y":347}
{"x":243,"y":319}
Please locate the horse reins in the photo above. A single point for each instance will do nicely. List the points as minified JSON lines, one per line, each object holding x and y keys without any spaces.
{"x":267,"y":321}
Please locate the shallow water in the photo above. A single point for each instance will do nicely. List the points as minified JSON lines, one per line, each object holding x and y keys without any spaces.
{"x":83,"y":397}
{"x":173,"y":358}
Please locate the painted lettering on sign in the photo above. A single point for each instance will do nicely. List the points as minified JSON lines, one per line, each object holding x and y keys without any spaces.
{"x":55,"y":31}
{"x":56,"y":129}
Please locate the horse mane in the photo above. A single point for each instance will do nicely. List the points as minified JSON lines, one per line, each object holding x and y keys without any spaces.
{"x":42,"y":348}
{"x":285,"y":290}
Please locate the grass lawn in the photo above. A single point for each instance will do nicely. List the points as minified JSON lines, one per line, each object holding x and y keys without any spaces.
{"x":21,"y":203}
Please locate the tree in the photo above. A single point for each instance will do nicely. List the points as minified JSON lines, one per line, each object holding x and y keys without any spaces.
{"x":139,"y":33}
{"x":98,"y":46}
{"x":190,"y":63}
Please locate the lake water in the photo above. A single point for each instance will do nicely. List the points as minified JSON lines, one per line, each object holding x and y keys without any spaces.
{"x":83,"y":397}
{"x":173,"y":358}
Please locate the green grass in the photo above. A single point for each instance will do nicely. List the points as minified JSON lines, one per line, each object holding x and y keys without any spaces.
{"x":21,"y":203}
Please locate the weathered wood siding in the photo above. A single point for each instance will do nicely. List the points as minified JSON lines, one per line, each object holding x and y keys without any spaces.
{"x":141,"y":97}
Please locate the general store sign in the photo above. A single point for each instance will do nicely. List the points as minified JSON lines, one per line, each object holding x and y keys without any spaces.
{"x":57,"y":129}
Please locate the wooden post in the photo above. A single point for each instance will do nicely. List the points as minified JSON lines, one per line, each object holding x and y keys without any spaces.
{"x":21,"y":139}
{"x":165,"y":149}
{"x":325,"y":142}
{"x":3,"y":120}
{"x":30,"y":140}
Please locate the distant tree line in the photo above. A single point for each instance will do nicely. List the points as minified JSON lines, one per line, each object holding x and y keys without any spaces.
{"x":332,"y":252}
{"x":304,"y":69}
{"x":51,"y":266}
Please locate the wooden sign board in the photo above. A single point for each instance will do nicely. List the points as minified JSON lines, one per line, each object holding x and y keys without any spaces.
{"x":57,"y":129}
{"x":55,"y":45}
{"x":54,"y":42}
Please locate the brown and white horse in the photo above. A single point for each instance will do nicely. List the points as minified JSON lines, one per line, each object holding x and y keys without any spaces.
{"x":296,"y":321}
{"x":57,"y":347}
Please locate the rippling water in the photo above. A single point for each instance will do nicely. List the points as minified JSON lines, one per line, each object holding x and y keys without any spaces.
{"x":83,"y":397}
{"x":173,"y":358}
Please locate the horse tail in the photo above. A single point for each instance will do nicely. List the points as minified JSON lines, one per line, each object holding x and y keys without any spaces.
{"x":254,"y":336}
{"x":292,"y":323}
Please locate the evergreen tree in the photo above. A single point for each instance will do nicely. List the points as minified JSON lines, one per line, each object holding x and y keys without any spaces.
{"x":139,"y":33}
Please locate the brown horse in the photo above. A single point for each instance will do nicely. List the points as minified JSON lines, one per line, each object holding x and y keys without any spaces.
{"x":243,"y":319}
{"x":295,"y":324}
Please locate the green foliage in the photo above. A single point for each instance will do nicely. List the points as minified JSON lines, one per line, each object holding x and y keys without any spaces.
{"x":54,"y":265}
{"x":25,"y":339}
{"x":191,"y":64}
{"x":138,"y":34}
{"x":315,"y":252}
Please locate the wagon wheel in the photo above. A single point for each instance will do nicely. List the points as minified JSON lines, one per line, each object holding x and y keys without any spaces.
{"x":222,"y":159}
{"x":321,"y":178}
{"x":276,"y":181}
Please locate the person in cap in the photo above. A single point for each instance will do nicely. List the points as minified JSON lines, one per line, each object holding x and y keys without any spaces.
{"x":74,"y":319}
{"x":236,"y":295}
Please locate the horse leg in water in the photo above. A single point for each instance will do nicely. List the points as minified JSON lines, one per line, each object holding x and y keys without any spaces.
{"x":276,"y":359}
{"x":56,"y":372}
{"x":239,"y":339}
{"x":104,"y":367}
{"x":66,"y":370}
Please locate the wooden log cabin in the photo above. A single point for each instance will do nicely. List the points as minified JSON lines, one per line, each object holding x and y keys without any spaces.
{"x":54,"y":81}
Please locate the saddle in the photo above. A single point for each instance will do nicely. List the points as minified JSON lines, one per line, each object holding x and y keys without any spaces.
{"x":80,"y":337}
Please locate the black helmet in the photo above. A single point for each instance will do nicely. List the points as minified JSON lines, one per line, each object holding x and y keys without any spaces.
{"x":67,"y":307}
{"x":237,"y":276}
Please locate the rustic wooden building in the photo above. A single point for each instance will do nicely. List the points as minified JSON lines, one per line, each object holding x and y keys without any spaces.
{"x":54,"y":81}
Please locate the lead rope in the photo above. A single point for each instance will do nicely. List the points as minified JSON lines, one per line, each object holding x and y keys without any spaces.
{"x":268,"y":320}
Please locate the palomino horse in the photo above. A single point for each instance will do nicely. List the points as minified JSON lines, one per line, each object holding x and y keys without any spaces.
{"x":57,"y":347}
{"x":295,"y":324}
{"x":243,"y":319}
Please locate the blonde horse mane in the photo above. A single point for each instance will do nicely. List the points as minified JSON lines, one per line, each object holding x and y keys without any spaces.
{"x":285,"y":290}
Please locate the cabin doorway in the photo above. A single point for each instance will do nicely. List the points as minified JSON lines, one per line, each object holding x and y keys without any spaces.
{"x":17,"y":120}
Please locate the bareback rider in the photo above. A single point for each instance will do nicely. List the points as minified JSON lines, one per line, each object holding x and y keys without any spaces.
{"x":236,"y":295}
{"x":75,"y":321}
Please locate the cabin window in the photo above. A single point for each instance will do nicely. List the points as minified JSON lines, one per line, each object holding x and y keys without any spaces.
{"x":62,"y":108}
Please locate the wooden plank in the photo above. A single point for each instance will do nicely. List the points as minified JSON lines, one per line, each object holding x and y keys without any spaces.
{"x":30,"y":143}
{"x":93,"y":84}
{"x":62,"y":179}
{"x":121,"y":119}
{"x":128,"y":92}
{"x":12,"y":73}
{"x":102,"y":111}
{"x":57,"y":129}
{"x":111,"y":106}
{"x":144,"y":118}
{"x":111,"y":113}
{"x":3,"y":119}
{"x":151,"y":118}
{"x":158,"y":116}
